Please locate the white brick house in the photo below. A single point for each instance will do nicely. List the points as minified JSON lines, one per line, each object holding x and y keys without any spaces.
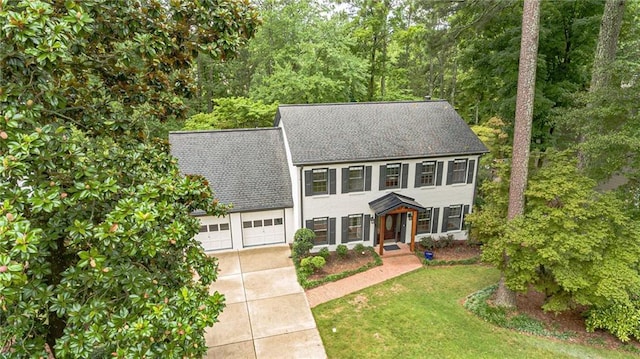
{"x":344,"y":170}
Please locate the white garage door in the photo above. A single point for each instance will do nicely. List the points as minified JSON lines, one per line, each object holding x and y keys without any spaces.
{"x":261,"y":228}
{"x":215,"y":233}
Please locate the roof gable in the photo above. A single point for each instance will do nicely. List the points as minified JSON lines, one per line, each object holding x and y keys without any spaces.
{"x":350,"y":132}
{"x":245,"y":167}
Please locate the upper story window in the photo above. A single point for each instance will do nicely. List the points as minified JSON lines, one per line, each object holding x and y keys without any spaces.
{"x":424,"y":221}
{"x":392,"y":176}
{"x":461,"y":170}
{"x":428,"y":174}
{"x":320,"y":181}
{"x":356,"y":178}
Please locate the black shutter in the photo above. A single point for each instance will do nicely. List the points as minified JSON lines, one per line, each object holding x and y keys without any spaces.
{"x":470,"y":170}
{"x":445,"y":215}
{"x":332,"y":230}
{"x":332,"y":181}
{"x":465,"y":211}
{"x":367,"y":178}
{"x":309,"y":224}
{"x":383,"y":177}
{"x":345,"y":180}
{"x":405,"y":175}
{"x":308,"y":183}
{"x":418,"y":175}
{"x":439,"y":173}
{"x":449,"y":172}
{"x":366,"y":224}
{"x":345,"y":230}
{"x":435,"y":213}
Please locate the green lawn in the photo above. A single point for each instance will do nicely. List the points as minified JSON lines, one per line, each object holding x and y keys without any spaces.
{"x":420,"y":315}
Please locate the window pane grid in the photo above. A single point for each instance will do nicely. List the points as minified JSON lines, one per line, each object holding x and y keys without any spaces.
{"x":320,"y":226}
{"x":356,"y":179}
{"x":424,"y":221}
{"x":459,"y":171}
{"x":428,"y":175}
{"x":392,"y":176}
{"x":355,"y":228}
{"x":320,"y":181}
{"x":453,"y":220}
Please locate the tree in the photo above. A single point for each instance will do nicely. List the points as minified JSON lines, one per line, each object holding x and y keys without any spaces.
{"x":522,"y":132}
{"x":234,"y":112}
{"x":97,"y":256}
{"x":574,"y":244}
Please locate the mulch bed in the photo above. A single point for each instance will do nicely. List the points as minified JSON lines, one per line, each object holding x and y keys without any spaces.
{"x":460,"y":250}
{"x":336,"y":264}
{"x":530,"y":303}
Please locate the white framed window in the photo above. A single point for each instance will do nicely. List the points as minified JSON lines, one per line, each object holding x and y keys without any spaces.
{"x":424,"y":221}
{"x":354,"y":231}
{"x":454,"y":218}
{"x":392,"y":176}
{"x":356,"y":178}
{"x":428,"y":173}
{"x":321,"y":229}
{"x":320,"y":181}
{"x":459,"y":171}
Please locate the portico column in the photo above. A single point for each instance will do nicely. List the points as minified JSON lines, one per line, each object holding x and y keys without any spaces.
{"x":381,"y":237}
{"x":414,"y":227}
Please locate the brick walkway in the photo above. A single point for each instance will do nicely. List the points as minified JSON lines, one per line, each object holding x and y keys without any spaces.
{"x":394,"y":263}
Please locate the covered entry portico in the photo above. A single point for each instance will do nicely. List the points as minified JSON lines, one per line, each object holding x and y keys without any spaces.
{"x":387,"y":207}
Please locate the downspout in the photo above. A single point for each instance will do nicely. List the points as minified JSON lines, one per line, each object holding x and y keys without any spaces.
{"x":300,"y":179}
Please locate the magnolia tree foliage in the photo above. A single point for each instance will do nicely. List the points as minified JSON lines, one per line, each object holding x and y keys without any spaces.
{"x":97,"y":257}
{"x":576,"y":245}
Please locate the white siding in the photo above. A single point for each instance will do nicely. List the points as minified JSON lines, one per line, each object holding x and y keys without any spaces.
{"x":344,"y":204}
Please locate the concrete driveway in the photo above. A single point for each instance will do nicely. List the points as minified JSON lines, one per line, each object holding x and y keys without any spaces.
{"x":267,"y":313}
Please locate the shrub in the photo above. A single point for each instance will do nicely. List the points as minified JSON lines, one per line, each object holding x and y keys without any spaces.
{"x":302,"y":242}
{"x":342,"y":250}
{"x":311,"y":264}
{"x":324,"y":253}
{"x":445,"y":242}
{"x":427,"y":242}
{"x":359,"y":248}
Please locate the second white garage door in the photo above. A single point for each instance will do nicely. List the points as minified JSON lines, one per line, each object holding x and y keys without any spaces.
{"x":260,"y":228}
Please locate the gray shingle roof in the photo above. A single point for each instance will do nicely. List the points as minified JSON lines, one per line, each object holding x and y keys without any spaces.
{"x":392,"y":201}
{"x":246,"y":167}
{"x":351,"y":132}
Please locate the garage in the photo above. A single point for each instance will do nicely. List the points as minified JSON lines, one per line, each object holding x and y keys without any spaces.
{"x":260,"y":228}
{"x":215,"y":233}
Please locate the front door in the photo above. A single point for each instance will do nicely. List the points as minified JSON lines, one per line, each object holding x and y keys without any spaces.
{"x":390,"y":227}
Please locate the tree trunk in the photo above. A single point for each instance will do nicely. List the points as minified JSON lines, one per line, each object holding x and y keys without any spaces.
{"x":371,"y":89}
{"x":607,"y":44}
{"x":522,"y":131}
{"x":454,"y":78}
{"x":605,"y":56}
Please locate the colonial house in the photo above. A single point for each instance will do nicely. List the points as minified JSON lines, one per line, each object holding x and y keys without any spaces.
{"x":353,"y":173}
